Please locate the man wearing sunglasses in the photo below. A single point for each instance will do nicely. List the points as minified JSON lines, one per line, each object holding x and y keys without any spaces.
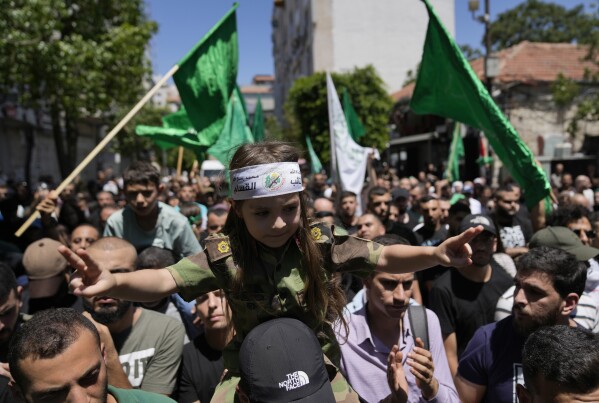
{"x":576,"y":218}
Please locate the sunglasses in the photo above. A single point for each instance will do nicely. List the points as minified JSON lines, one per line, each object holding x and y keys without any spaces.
{"x":588,"y":233}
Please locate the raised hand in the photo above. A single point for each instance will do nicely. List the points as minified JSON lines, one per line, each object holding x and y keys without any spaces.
{"x":423,"y":368}
{"x":396,"y":377}
{"x":455,"y":251}
{"x":88,"y":280}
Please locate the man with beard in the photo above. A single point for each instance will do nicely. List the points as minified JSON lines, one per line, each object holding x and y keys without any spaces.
{"x":346,"y":213}
{"x":515,"y":230}
{"x":149,"y":344}
{"x":465,"y":298}
{"x":58,"y":356}
{"x":406,"y":217}
{"x":379,"y":201}
{"x":432,"y":231}
{"x":549,"y":283}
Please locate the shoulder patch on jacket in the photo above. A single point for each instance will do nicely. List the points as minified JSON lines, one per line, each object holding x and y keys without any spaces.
{"x":217,"y":247}
{"x":321,"y":232}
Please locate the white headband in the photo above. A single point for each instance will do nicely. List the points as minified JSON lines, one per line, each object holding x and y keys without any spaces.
{"x":266,"y":180}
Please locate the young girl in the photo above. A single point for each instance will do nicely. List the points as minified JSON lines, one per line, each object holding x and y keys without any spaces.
{"x":269,"y":261}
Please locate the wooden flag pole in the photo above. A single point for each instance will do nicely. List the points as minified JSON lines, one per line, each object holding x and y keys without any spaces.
{"x":101,"y":145}
{"x":179,"y":162}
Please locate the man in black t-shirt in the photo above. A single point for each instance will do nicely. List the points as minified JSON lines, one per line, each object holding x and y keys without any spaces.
{"x":432,"y":231}
{"x":515,"y":228}
{"x":465,"y":298}
{"x":202,"y":365}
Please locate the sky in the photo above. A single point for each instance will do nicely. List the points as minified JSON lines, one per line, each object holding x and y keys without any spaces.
{"x":181,"y":23}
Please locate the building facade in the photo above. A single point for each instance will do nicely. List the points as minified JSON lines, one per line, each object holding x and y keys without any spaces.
{"x":338,"y":35}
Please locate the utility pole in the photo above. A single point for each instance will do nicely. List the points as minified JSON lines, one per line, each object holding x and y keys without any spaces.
{"x":490,"y":63}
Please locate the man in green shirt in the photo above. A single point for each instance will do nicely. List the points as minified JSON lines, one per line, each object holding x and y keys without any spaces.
{"x":57,"y":356}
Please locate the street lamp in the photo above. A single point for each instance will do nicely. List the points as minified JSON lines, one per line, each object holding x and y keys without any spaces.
{"x":491,"y":63}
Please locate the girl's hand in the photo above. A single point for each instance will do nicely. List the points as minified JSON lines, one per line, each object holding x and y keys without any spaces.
{"x":455,"y":251}
{"x":88,"y":280}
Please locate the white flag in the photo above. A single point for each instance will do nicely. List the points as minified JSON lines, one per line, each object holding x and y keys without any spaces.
{"x":348,"y":159}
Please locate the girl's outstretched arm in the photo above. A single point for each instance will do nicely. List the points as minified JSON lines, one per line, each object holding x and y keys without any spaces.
{"x":89,"y":280}
{"x":455,"y":251}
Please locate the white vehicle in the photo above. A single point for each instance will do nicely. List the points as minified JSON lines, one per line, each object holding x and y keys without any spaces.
{"x":212,"y":169}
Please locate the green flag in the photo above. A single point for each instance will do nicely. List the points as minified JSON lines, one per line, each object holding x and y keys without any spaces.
{"x":235,"y":132}
{"x":207,"y":76}
{"x":166,"y":138}
{"x":258,"y":123}
{"x":178,"y":120}
{"x":314,"y":161}
{"x":456,"y":152}
{"x":354,"y":125}
{"x":446,"y":86}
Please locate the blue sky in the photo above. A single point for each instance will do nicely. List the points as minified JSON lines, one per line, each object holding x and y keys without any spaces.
{"x":183,"y":22}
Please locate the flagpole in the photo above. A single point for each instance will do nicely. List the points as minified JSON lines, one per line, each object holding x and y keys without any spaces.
{"x":179,"y":162}
{"x":101,"y":145}
{"x":332,"y":135}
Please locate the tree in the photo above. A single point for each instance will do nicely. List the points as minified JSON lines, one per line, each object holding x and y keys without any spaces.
{"x":537,"y":21}
{"x":306,"y":108}
{"x":71,"y":59}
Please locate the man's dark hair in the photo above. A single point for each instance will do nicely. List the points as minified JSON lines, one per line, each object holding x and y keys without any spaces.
{"x":347,"y":193}
{"x":459,"y":207}
{"x":377,"y":191}
{"x":141,"y":173}
{"x":503,"y":188}
{"x":8,"y":281}
{"x":564,"y":215}
{"x":218,"y":211}
{"x":47,"y":334}
{"x":566,"y":272}
{"x":566,"y":356}
{"x":189,"y":209}
{"x":426,"y":199}
{"x":154,"y":257}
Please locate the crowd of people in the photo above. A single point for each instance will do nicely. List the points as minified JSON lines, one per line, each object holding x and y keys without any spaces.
{"x":281,"y":287}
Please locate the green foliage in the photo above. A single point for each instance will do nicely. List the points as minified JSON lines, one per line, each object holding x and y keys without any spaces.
{"x":73,"y":59}
{"x":564,"y":90}
{"x":273,"y":130}
{"x":307,"y":114}
{"x":127,"y":142}
{"x":538,"y":21}
{"x":471,"y":53}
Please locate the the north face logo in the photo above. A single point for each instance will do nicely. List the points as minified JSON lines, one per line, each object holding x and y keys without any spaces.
{"x":295,"y":380}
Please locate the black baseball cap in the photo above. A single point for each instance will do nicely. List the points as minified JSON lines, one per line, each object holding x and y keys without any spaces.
{"x":281,"y":361}
{"x":474,"y":220}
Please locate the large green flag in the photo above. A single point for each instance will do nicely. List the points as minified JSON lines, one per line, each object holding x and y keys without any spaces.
{"x":166,"y":138}
{"x":314,"y":160}
{"x":206,"y":77}
{"x":178,"y":120}
{"x":258,"y":123}
{"x":456,"y":152}
{"x":235,"y":132}
{"x":354,"y":125}
{"x":446,"y":86}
